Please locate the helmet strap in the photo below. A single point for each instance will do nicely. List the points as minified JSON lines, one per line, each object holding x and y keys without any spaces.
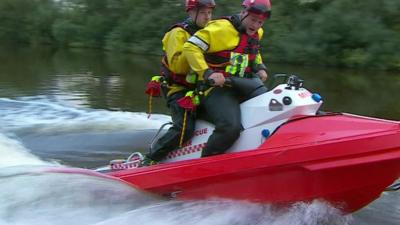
{"x":244,"y":17}
{"x":197,"y":14}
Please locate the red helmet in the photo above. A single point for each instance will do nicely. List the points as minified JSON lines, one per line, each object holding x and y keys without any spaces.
{"x":192,"y":4}
{"x":260,"y":7}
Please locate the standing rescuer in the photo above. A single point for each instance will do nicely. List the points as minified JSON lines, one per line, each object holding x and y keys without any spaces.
{"x":227,"y":47}
{"x":176,"y":73}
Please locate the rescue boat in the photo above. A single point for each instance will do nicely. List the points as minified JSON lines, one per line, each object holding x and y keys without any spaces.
{"x":288,"y":152}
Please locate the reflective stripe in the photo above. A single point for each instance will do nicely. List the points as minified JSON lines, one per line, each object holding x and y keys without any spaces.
{"x":238,"y":62}
{"x":191,"y":78}
{"x":199,"y":43}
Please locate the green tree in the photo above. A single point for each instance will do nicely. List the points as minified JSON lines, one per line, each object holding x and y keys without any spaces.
{"x":358,"y":33}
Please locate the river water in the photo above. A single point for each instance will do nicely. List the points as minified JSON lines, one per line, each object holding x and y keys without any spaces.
{"x":82,"y":108}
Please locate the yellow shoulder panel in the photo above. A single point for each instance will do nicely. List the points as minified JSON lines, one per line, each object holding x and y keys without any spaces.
{"x":173,"y":42}
{"x":220,"y":35}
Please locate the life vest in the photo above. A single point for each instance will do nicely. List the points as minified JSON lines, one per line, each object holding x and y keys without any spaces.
{"x":239,"y":61}
{"x":186,"y":25}
{"x":171,"y":77}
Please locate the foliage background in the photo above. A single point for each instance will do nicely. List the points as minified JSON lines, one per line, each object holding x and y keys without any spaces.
{"x":340,"y":33}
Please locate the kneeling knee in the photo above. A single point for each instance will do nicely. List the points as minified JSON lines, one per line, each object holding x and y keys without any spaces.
{"x":233,"y":132}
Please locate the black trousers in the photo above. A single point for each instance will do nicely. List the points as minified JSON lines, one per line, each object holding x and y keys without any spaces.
{"x":170,"y":140}
{"x":222,"y":108}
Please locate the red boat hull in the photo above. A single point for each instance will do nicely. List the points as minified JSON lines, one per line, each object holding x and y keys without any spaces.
{"x":344,"y":159}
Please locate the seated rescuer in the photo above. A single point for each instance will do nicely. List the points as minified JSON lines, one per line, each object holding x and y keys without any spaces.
{"x":175,"y":71}
{"x":227,"y":47}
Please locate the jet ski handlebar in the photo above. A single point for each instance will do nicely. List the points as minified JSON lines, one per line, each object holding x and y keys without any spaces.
{"x":255,"y":86}
{"x":292,"y":80}
{"x":249,"y":87}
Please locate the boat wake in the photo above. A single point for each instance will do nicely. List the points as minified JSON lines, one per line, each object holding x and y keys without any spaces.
{"x":221,"y":212}
{"x":31,"y":197}
{"x":44,"y":116}
{"x":13,"y":153}
{"x":56,"y":130}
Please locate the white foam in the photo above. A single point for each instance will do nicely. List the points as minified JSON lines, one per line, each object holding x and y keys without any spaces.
{"x":29,"y":197}
{"x":39,"y":115}
{"x":220,"y":212}
{"x":13,"y":153}
{"x":37,"y":198}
